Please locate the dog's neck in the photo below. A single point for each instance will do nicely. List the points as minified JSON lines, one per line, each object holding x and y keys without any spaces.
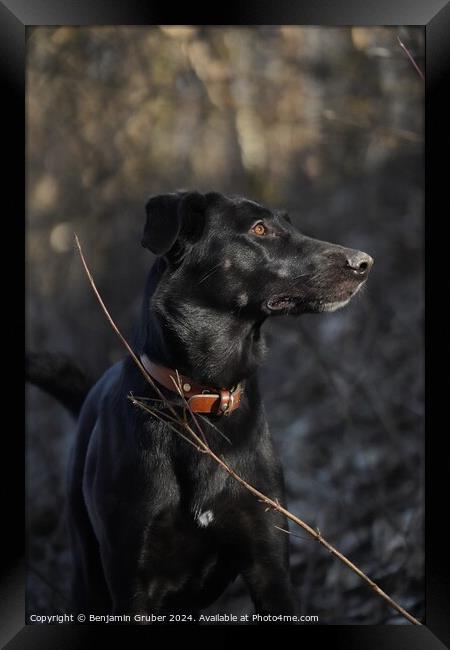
{"x":213,"y":347}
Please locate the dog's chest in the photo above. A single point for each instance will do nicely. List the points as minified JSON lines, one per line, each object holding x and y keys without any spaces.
{"x":202,"y":486}
{"x":203,"y":497}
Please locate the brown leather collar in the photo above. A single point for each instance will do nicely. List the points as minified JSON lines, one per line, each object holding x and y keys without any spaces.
{"x":201,"y":399}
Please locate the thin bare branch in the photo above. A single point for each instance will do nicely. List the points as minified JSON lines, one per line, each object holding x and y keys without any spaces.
{"x":289,"y":532}
{"x":411,"y":58}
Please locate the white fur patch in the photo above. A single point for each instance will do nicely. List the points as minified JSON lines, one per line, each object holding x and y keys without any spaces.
{"x":205,"y":518}
{"x":333,"y":306}
{"x":226,"y":264}
{"x":242,"y":299}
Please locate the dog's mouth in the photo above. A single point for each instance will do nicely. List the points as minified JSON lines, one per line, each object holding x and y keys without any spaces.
{"x":279,"y":303}
{"x":289,"y":303}
{"x":296,"y":304}
{"x":322,"y":306}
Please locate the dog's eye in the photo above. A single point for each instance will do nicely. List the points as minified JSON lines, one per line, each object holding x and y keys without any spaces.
{"x":259,"y":229}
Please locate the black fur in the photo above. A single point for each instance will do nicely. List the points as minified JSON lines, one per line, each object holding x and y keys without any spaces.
{"x":59,"y":376}
{"x":155,"y":525}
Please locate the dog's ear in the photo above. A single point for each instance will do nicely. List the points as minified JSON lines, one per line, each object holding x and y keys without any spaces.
{"x":172,"y":217}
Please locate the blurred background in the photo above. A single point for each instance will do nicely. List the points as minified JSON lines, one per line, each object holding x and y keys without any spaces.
{"x":324,"y":122}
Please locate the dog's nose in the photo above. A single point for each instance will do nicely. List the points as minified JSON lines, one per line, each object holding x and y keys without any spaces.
{"x":359,"y":263}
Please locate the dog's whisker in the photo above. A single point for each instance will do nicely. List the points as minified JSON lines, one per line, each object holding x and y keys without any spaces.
{"x":210,"y":272}
{"x":297,"y":277}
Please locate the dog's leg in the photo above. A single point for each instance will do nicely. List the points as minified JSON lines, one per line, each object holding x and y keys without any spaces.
{"x":270,"y":588}
{"x":266,"y":570}
{"x":89,"y":590}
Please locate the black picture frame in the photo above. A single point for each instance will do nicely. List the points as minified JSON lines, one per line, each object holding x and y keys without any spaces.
{"x":15,"y":17}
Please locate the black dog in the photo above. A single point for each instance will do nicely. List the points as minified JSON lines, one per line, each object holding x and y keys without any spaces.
{"x":156,"y":526}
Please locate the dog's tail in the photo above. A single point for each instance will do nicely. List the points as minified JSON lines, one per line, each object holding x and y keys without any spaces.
{"x":60,"y":377}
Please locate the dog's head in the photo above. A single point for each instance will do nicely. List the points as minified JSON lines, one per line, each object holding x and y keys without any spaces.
{"x":236,"y":254}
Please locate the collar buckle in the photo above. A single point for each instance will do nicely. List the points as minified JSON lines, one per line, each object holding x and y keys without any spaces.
{"x":201,"y":398}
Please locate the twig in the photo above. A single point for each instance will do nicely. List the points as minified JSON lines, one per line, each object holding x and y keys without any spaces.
{"x":202,"y":446}
{"x":411,"y":58}
{"x":289,"y":532}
